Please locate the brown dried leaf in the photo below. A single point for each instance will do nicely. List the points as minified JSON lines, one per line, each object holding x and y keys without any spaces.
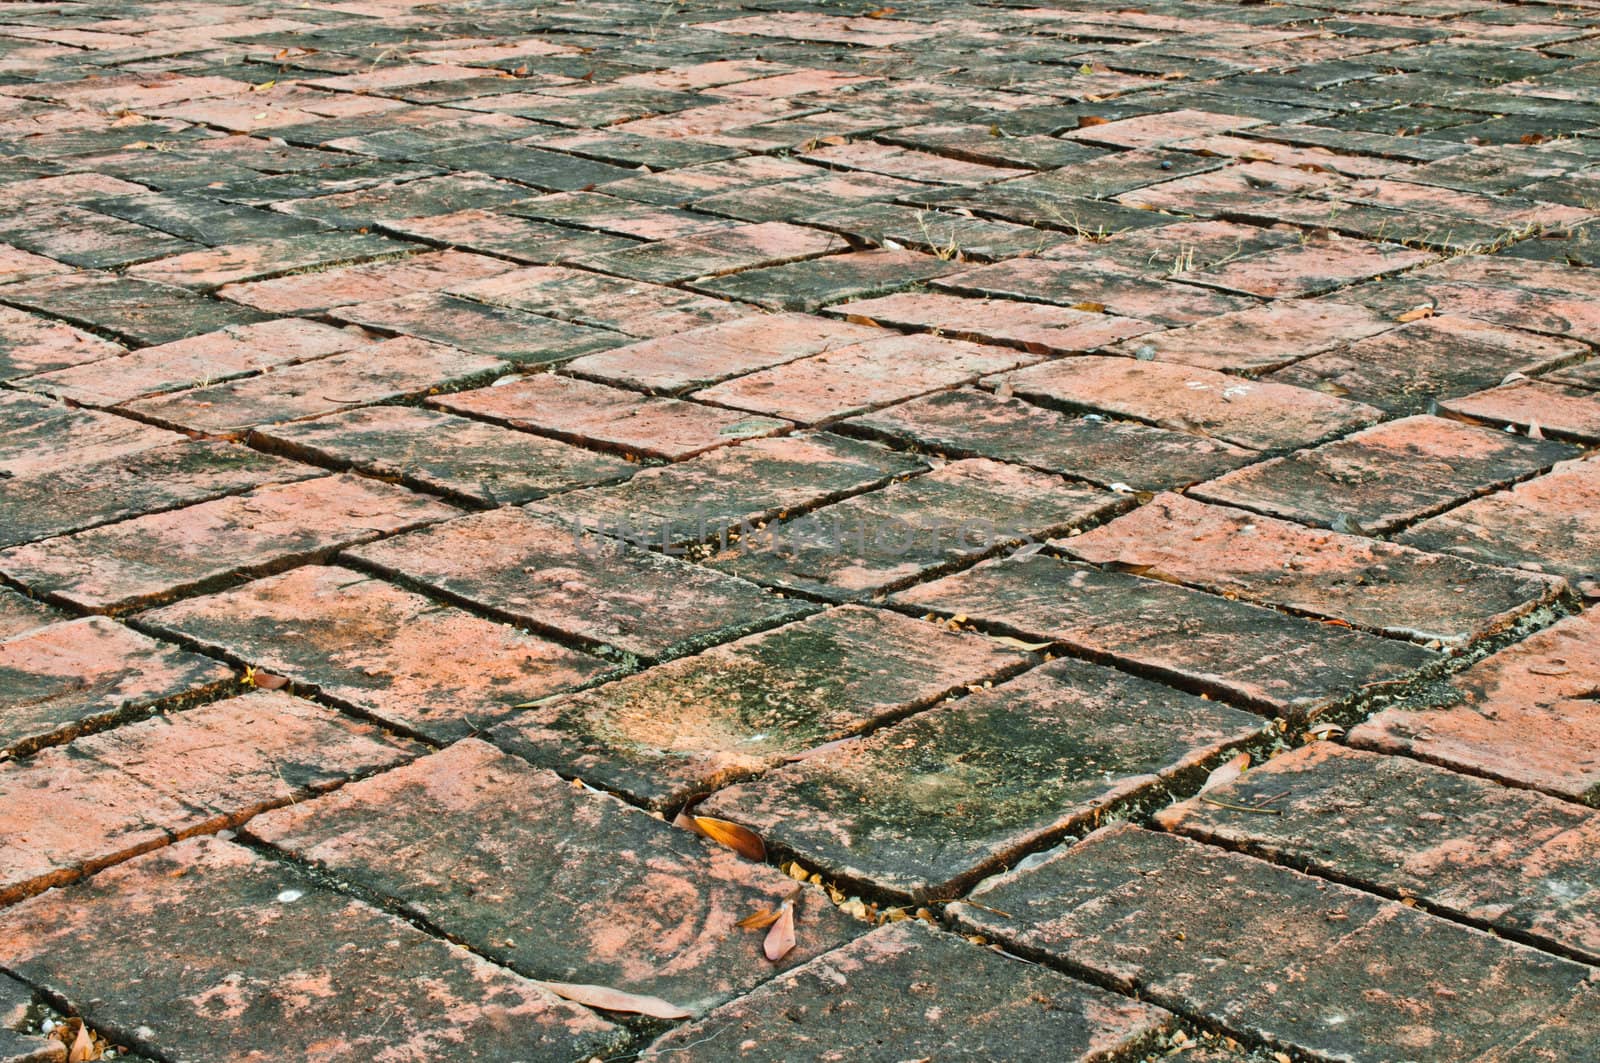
{"x":1227,"y":773}
{"x":741,"y":840}
{"x":780,"y":939}
{"x":1087,"y":120}
{"x":758,"y":920}
{"x":1090,"y":308}
{"x":1416,"y":313}
{"x":607,"y":999}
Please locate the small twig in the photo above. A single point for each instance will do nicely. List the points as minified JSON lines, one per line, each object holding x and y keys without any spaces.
{"x":1241,"y":808}
{"x":986,"y":908}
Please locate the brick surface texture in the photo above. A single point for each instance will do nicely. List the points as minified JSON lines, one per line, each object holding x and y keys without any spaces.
{"x":779,"y":531}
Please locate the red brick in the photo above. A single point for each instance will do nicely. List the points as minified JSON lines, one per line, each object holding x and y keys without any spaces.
{"x":597,"y":415}
{"x":396,"y":656}
{"x":519,"y":239}
{"x":19,"y":265}
{"x":85,"y":673}
{"x":310,"y":292}
{"x":924,"y":808}
{"x":592,"y":210}
{"x":817,"y":282}
{"x":38,"y":435}
{"x":198,"y":361}
{"x":968,"y":1002}
{"x":1260,"y":339}
{"x":251,"y":952}
{"x":911,"y":165}
{"x":1394,"y":590}
{"x":1256,"y":414}
{"x":1307,"y":269}
{"x":497,"y":851}
{"x":1110,"y":287}
{"x":1549,"y":524}
{"x":394,"y":369}
{"x":698,"y":723}
{"x":1265,"y":952}
{"x":1514,"y":860}
{"x":1038,"y":327}
{"x":1154,"y":130}
{"x":163,"y":555}
{"x":523,"y":339}
{"x":544,"y":573}
{"x":1526,"y":716}
{"x":1259,"y":658}
{"x":861,"y":376}
{"x":630,"y":307}
{"x":455,"y":456}
{"x":30,"y":344}
{"x":716,"y":252}
{"x":71,"y":810}
{"x":1569,"y":412}
{"x":1382,"y":477}
{"x":213,"y":267}
{"x":20,"y":614}
{"x":707,"y":355}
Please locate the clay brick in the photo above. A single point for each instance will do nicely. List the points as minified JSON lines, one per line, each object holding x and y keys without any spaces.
{"x":698,"y":723}
{"x":1308,"y":269}
{"x":434,"y":451}
{"x":716,"y":252}
{"x":1037,"y":327}
{"x":926,"y":807}
{"x":252,"y":946}
{"x":46,"y":503}
{"x":1514,"y":860}
{"x":1525,"y":715}
{"x":707,"y":355}
{"x":1550,"y":524}
{"x":603,"y":213}
{"x":523,"y":339}
{"x":164,"y":555}
{"x":597,"y":415}
{"x":1255,"y":414}
{"x":1259,"y":658}
{"x":858,"y":377}
{"x":197,"y":361}
{"x":20,"y":614}
{"x":911,"y":165}
{"x":211,"y":268}
{"x":398,"y":657}
{"x":1404,"y":370}
{"x":1272,"y":953}
{"x":302,"y":293}
{"x":1568,"y":412}
{"x":819,"y":281}
{"x":80,"y":674}
{"x":1382,"y":477}
{"x":697,"y":499}
{"x":1154,"y":130}
{"x":972,"y":423}
{"x":1110,"y":290}
{"x":383,"y":372}
{"x":1394,"y":590}
{"x":542,"y":572}
{"x":19,"y":265}
{"x":38,"y":435}
{"x":872,"y":543}
{"x":1260,"y":339}
{"x":591,"y":299}
{"x":969,"y":1001}
{"x":366,"y":207}
{"x":71,"y":810}
{"x":30,"y":345}
{"x":497,"y":851}
{"x":519,"y":239}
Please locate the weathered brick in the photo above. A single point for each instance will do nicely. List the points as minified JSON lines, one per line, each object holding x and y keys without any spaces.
{"x":250,"y":948}
{"x":497,"y":850}
{"x":968,"y":1001}
{"x":581,"y":411}
{"x":816,"y":282}
{"x":1317,"y":967}
{"x":39,"y":435}
{"x":924,"y":808}
{"x":210,"y":268}
{"x":545,"y":573}
{"x":1525,"y":715}
{"x":1114,"y":290}
{"x":70,"y":810}
{"x":716,"y":252}
{"x":1262,"y":338}
{"x":31,"y":344}
{"x":1550,"y":524}
{"x":697,"y":723}
{"x":1395,"y":590}
{"x":593,"y":299}
{"x":398,"y":657}
{"x":872,"y":543}
{"x":79,"y":674}
{"x":860,"y":376}
{"x":163,"y":555}
{"x":301,"y":293}
{"x":1037,"y":327}
{"x":1385,"y":476}
{"x":1308,"y":269}
{"x":1568,"y":412}
{"x":480,"y":462}
{"x":394,"y":369}
{"x":20,"y":614}
{"x":1249,"y":413}
{"x":524,"y":339}
{"x":1256,"y":657}
{"x":1511,"y":859}
{"x":519,"y":239}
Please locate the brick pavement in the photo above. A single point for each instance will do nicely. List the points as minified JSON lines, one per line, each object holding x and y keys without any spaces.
{"x":767,"y":531}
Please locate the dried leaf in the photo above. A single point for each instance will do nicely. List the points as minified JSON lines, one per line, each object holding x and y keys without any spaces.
{"x":1087,"y":120}
{"x":1090,"y":308}
{"x":264,"y":86}
{"x":861,"y":319}
{"x":83,"y":1048}
{"x":758,"y":920}
{"x":1227,"y":773}
{"x":607,"y":999}
{"x":780,"y":939}
{"x":1031,"y":647}
{"x":882,"y":12}
{"x":1416,"y":313}
{"x":745,"y":842}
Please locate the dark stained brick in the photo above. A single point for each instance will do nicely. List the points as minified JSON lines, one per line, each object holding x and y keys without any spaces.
{"x":1037,"y":327}
{"x":30,"y":344}
{"x":1559,"y":410}
{"x":820,"y":281}
{"x":139,"y":311}
{"x":691,"y":725}
{"x":517,"y":861}
{"x":39,"y":435}
{"x":524,"y":339}
{"x":924,"y":808}
{"x":597,"y":301}
{"x":1262,"y":338}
